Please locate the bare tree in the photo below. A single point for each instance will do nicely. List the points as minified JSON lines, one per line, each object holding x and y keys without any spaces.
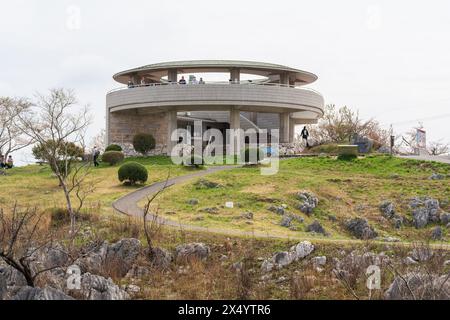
{"x":20,"y":239}
{"x":24,"y":244}
{"x":340,"y":124}
{"x":153,"y":227}
{"x":99,"y":140}
{"x":437,"y":148}
{"x":54,"y":125}
{"x":12,"y":139}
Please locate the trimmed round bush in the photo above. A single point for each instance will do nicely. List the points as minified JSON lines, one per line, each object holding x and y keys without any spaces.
{"x":252,"y":152}
{"x":132,"y":173}
{"x":113,"y":147}
{"x":143,"y":143}
{"x":113,"y":157}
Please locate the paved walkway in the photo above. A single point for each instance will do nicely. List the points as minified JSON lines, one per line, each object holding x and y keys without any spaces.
{"x":442,"y":159}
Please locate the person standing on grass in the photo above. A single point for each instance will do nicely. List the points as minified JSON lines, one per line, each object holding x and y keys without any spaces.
{"x":95,"y":155}
{"x":9,"y":162}
{"x":305,"y":135}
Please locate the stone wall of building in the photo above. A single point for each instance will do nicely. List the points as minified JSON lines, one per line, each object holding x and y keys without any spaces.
{"x":124,"y":125}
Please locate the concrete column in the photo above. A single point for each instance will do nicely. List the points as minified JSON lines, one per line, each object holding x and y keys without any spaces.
{"x":134,"y":78}
{"x":284,"y":127}
{"x":254,"y":117}
{"x":173,"y":75}
{"x":235,"y":124}
{"x":107,"y":135}
{"x":235,"y":75}
{"x":171,"y":126}
{"x":284,"y":79}
{"x":291,"y":130}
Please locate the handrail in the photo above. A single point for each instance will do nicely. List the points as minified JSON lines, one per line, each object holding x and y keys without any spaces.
{"x":251,"y":83}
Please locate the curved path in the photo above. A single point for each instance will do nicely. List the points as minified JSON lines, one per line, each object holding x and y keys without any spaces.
{"x":128,"y":205}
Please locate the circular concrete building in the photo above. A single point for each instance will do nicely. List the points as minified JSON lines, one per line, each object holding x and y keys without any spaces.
{"x":160,"y":98}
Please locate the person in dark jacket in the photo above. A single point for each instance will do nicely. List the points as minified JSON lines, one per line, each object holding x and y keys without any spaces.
{"x":305,"y":135}
{"x":95,"y":155}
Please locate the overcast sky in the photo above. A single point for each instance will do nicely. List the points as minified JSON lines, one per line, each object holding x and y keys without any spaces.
{"x":388,"y":59}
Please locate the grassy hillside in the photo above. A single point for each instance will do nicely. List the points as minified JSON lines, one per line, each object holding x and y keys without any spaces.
{"x":345,"y":190}
{"x":35,"y":185}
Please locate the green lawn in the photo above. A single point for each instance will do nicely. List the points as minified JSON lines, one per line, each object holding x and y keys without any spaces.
{"x":35,"y":185}
{"x":345,"y":189}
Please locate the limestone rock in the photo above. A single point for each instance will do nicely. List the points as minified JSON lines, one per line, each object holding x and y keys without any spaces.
{"x":436,"y":234}
{"x":94,"y":287}
{"x":29,"y":293}
{"x":437,"y":176}
{"x":360,"y":228}
{"x":192,"y":250}
{"x":308,"y":202}
{"x":286,"y":221}
{"x":160,"y":258}
{"x":316,"y":227}
{"x":282,"y":259}
{"x":417,"y":286}
{"x":424,"y":210}
{"x":193,"y":202}
{"x":319,"y":261}
{"x":387,"y":208}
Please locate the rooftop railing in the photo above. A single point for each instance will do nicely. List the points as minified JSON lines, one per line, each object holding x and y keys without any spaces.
{"x":249,"y":83}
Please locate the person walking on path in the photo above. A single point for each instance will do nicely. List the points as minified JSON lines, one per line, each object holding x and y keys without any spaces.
{"x":95,"y":155}
{"x":305,"y":135}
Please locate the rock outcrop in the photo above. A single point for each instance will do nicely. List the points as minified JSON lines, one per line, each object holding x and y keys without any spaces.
{"x":285,"y":258}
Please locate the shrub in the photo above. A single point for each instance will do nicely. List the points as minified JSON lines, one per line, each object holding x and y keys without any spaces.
{"x":347,"y":157}
{"x":64,"y":150}
{"x":133,"y":172}
{"x":113,"y":157}
{"x":143,"y":143}
{"x":60,"y":217}
{"x":113,"y":147}
{"x":252,"y":152}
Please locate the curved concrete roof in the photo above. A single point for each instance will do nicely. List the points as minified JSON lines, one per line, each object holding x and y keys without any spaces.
{"x":156,"y":71}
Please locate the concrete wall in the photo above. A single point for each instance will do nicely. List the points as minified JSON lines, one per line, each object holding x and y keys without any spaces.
{"x":256,"y":98}
{"x":125,"y":124}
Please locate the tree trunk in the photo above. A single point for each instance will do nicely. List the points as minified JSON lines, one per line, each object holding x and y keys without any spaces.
{"x":69,"y":207}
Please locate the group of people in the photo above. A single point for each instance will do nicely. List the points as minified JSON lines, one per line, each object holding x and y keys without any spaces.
{"x":192,"y":80}
{"x":6,"y":163}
